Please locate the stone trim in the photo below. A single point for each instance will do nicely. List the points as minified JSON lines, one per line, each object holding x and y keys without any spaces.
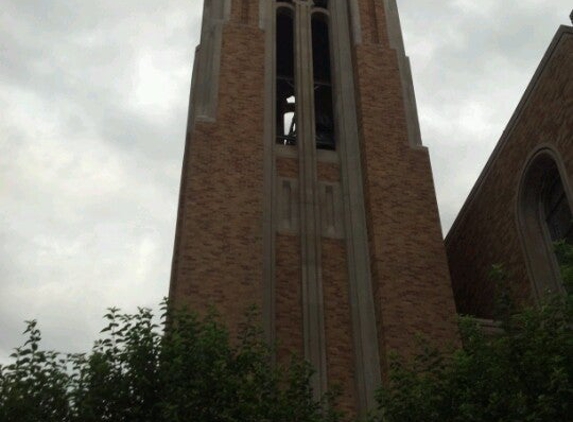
{"x":287,"y":205}
{"x":408,"y":92}
{"x":263,"y":14}
{"x":365,"y":333}
{"x":307,"y":223}
{"x":322,"y":155}
{"x":208,"y":57}
{"x":331,"y":209}
{"x":287,"y":151}
{"x":326,"y":156}
{"x":192,"y":96}
{"x":352,"y":225}
{"x":542,"y":266}
{"x":354,"y":11}
{"x":310,"y":228}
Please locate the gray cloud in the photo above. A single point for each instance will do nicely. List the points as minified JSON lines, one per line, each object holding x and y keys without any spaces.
{"x":471,"y":63}
{"x":94,"y":106}
{"x":94,"y":102}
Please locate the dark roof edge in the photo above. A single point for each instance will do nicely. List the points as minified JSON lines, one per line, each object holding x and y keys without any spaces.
{"x":563,"y":29}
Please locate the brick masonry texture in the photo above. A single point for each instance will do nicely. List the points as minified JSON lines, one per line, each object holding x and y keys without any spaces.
{"x":219,"y":251}
{"x":289,"y":322}
{"x":328,"y":172}
{"x":287,"y":167}
{"x":488,"y":231}
{"x":338,"y":323}
{"x":410,"y":275}
{"x":218,"y":258}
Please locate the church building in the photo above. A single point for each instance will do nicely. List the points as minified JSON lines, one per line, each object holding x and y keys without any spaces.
{"x":522,"y":202}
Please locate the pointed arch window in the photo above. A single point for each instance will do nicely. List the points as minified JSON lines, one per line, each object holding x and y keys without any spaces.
{"x":545,"y":217}
{"x":323,"y":106}
{"x":556,"y":211}
{"x":285,"y":84}
{"x":286,"y":61}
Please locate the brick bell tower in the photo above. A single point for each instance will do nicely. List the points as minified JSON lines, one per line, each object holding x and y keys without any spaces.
{"x":306,"y":190}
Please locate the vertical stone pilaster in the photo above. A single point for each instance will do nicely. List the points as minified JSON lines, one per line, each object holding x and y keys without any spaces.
{"x":367,"y":357}
{"x":397,"y":43}
{"x":208,"y":56}
{"x":310,"y":228}
{"x":354,"y":11}
{"x":267,"y":22}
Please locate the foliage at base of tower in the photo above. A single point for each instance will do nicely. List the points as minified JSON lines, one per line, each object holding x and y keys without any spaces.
{"x":522,"y":374}
{"x":193,"y":372}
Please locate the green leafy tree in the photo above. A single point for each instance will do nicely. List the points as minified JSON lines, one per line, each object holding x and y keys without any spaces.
{"x":522,"y":374}
{"x":184,"y":369}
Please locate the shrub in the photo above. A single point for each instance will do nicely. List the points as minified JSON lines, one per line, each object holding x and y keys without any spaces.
{"x":140,"y":371}
{"x":523,"y":374}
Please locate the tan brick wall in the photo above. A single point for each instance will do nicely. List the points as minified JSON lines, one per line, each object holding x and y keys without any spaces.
{"x":488,"y":234}
{"x":219,"y":254}
{"x":245,"y":11}
{"x":289,"y":323}
{"x":287,"y":167}
{"x":410,"y":273}
{"x":328,"y":172}
{"x":372,"y":19}
{"x":338,"y":323}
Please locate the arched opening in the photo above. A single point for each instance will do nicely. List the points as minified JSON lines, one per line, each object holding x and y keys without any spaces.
{"x":287,"y":60}
{"x":285,"y":83}
{"x":545,"y":217}
{"x":556,"y":211}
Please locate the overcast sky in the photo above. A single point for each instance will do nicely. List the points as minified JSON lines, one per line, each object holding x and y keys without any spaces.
{"x":93,"y":106}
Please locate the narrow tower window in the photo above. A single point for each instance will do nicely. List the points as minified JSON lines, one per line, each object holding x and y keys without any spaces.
{"x":285,"y":88}
{"x":323,"y":108}
{"x":287,"y":59}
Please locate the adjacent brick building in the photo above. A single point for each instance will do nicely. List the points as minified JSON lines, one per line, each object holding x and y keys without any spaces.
{"x":523,"y":199}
